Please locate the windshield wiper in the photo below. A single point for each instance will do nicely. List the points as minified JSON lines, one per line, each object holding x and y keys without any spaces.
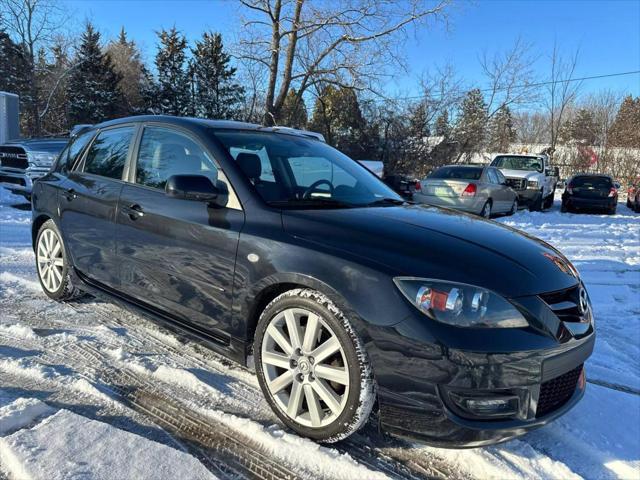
{"x":386,"y":201}
{"x":311,"y":202}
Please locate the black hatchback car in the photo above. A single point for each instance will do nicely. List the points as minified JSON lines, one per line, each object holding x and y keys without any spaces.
{"x":280,"y":252}
{"x":590,"y":192}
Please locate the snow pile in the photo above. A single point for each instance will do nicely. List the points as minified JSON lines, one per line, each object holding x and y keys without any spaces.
{"x":66,"y":445}
{"x":20,"y":413}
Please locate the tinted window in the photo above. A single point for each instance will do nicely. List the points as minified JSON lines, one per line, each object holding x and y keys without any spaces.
{"x":591,"y":182}
{"x":291,"y":171}
{"x":453,"y":173}
{"x":164,"y":153}
{"x":70,"y":154}
{"x":108,"y":153}
{"x":493,"y":178}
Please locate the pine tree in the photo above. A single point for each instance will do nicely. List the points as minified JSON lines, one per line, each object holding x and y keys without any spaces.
{"x":13,"y":66}
{"x":337,"y":115}
{"x":293,"y":112}
{"x":501,"y":130}
{"x":418,"y":124}
{"x":471,"y":127}
{"x":580,"y":128}
{"x":442,"y":126}
{"x":135,"y":78}
{"x":215,"y":94}
{"x":93,"y":92}
{"x":625,"y":131}
{"x":173,"y":90}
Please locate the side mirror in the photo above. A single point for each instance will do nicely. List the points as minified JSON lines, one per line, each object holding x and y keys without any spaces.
{"x":191,"y":187}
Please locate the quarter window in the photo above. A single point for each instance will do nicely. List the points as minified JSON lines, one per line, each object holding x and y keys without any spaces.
{"x":164,"y":153}
{"x":108,"y":153}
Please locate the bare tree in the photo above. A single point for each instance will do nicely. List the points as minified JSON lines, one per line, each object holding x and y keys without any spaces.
{"x":302,"y":43}
{"x":562,"y":90}
{"x":511,"y":77}
{"x":34,"y":24}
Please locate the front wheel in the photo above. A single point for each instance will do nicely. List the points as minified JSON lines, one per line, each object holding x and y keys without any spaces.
{"x":312,"y":367}
{"x":536,"y":204}
{"x":52,"y":264}
{"x":548,"y":202}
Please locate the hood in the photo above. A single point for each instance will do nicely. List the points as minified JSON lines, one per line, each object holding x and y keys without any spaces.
{"x":53,"y":145}
{"x":431,"y":242}
{"x":519,"y":173}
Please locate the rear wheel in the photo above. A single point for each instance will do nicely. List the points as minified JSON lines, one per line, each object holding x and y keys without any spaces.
{"x":312,"y":367}
{"x":486,"y":210}
{"x":548,"y":202}
{"x":52,"y":264}
{"x":514,"y":208}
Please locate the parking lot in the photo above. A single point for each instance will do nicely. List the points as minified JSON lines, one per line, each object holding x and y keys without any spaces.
{"x":63,"y":366}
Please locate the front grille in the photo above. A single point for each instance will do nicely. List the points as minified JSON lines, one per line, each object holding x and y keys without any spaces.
{"x":13,"y":157}
{"x":555,"y":393}
{"x":517,"y":183}
{"x":564,"y":304}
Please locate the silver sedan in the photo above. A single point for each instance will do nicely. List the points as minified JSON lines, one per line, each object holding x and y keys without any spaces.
{"x":477,"y":189}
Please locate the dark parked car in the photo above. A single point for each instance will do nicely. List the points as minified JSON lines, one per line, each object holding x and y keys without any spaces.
{"x":590,"y":192}
{"x":271,"y":245}
{"x":633,"y":195}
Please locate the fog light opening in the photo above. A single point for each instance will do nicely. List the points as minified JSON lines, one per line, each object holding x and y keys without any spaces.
{"x":487,"y":406}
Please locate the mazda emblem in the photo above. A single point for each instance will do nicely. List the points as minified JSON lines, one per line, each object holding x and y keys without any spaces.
{"x":583,"y":301}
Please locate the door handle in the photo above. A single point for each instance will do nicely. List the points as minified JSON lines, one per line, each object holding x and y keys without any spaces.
{"x":69,"y":194}
{"x":134,"y":211}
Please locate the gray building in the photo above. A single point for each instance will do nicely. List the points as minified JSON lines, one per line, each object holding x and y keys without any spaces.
{"x":9,"y":117}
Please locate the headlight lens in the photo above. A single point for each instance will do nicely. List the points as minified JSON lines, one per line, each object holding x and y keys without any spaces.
{"x":532,"y":184}
{"x":459,"y":304}
{"x":42,"y":159}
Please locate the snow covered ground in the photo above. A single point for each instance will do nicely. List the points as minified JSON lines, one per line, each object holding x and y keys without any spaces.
{"x":89,"y":390}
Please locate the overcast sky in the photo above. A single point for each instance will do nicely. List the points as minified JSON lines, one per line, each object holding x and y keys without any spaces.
{"x":606,"y":32}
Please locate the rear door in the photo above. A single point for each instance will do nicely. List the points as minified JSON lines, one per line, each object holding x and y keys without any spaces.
{"x":503,"y":195}
{"x":88,"y":203}
{"x":177,"y":255}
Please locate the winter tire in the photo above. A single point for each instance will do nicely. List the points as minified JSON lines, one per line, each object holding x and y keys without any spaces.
{"x":514,"y":208}
{"x":536,"y":205}
{"x":52,"y":264}
{"x":548,"y":202}
{"x":486,"y":210}
{"x":312,"y":367}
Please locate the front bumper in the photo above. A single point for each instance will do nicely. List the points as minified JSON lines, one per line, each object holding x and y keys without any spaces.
{"x":422,"y":368}
{"x":21,"y":181}
{"x":527,"y":196}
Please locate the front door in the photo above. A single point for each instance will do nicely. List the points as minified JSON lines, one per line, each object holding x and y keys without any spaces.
{"x":177,"y":255}
{"x":88,"y":202}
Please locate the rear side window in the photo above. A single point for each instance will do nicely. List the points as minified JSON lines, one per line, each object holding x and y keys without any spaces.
{"x":108,"y":153}
{"x":70,"y":155}
{"x":164,"y":153}
{"x":453,"y":173}
{"x":493,"y":178}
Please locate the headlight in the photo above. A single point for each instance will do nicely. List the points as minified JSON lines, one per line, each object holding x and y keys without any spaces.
{"x":42,"y":159}
{"x":459,"y":304}
{"x":532,"y":184}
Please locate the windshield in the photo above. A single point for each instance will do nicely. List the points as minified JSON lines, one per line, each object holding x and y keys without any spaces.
{"x":453,"y":173}
{"x":289,"y":171}
{"x":518,"y":163}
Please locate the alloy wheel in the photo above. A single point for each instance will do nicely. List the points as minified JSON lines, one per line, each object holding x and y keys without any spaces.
{"x":50,"y":260}
{"x":486,"y":210}
{"x":305,"y":368}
